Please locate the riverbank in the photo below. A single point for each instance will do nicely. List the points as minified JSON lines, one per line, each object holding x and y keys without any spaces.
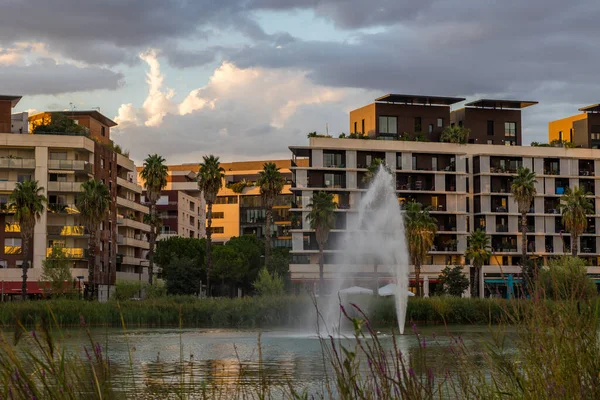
{"x":247,"y":312}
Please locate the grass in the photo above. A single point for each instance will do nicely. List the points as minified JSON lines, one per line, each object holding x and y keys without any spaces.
{"x":247,"y":312}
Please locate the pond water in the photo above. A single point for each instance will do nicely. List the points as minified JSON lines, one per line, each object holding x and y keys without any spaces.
{"x":147,"y":358}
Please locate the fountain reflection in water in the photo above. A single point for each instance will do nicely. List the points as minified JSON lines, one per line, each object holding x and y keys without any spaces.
{"x":374,"y":240}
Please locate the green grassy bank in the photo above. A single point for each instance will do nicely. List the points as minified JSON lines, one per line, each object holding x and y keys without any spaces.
{"x":248,"y":312}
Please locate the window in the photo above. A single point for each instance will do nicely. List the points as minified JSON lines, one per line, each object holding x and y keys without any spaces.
{"x":571,"y":135}
{"x":217,"y":229}
{"x":12,"y":245}
{"x":440,"y":122}
{"x":388,"y":125}
{"x":595,"y":136}
{"x":103,"y":131}
{"x":560,"y":135}
{"x":460,"y":123}
{"x":332,"y":160}
{"x":226,"y":200}
{"x":23,"y":178}
{"x":333,"y":180}
{"x":510,"y":129}
{"x":355,"y":126}
{"x":102,"y":163}
{"x":490,"y":128}
{"x":418,"y":124}
{"x":430,"y":128}
{"x":490,"y":141}
{"x":363,"y":127}
{"x":58,"y":177}
{"x":58,"y":155}
{"x":218,"y":215}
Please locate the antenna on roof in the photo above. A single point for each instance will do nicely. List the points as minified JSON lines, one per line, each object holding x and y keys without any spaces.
{"x":73,"y":107}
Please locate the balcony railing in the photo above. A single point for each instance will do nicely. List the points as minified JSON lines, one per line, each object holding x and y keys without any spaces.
{"x":71,"y":165}
{"x":64,"y":186}
{"x":59,"y":208}
{"x":71,"y":252}
{"x":501,"y":228}
{"x":586,"y":172}
{"x":67,"y":230}
{"x":27,"y":163}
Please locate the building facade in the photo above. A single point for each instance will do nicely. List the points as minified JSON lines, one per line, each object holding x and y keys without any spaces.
{"x":60,"y":163}
{"x":583,"y":129}
{"x":467,"y":188}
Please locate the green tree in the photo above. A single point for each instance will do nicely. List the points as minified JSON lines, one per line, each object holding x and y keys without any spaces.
{"x":177,"y":246}
{"x":280,"y":263}
{"x":566,"y":278}
{"x":210,"y":181}
{"x":93,"y":202}
{"x":27,"y":202}
{"x":230,"y":267}
{"x":252,"y":249}
{"x":59,"y":123}
{"x":271,"y":184}
{"x":322,"y":221}
{"x":267,"y":284}
{"x":154,"y":173}
{"x":575,"y":205}
{"x":420,"y":231}
{"x":453,"y":281}
{"x":183,"y":276}
{"x":455,"y":134}
{"x":374,"y":168}
{"x":523,"y":189}
{"x":56,"y":271}
{"x":478,"y":253}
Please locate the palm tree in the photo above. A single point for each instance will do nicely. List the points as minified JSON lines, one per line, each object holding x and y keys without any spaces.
{"x":575,"y":206}
{"x":420,"y":231}
{"x":210,"y":181}
{"x":28,"y":205}
{"x":154,"y":175}
{"x":455,"y":134}
{"x":271,"y":184}
{"x":523,"y":189}
{"x":478,"y":252}
{"x":93,"y":202}
{"x":322,"y":220}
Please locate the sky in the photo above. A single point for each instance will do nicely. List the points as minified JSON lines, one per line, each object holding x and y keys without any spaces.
{"x":245,"y":79}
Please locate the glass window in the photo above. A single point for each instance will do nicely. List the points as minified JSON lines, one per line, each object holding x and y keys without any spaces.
{"x":217,"y":229}
{"x":490,"y":141}
{"x":388,"y":125}
{"x":510,"y":129}
{"x":490,"y":128}
{"x":417,"y":124}
{"x":440,"y":122}
{"x":218,"y":215}
{"x":430,"y":128}
{"x":226,"y":200}
{"x":58,"y":155}
{"x":12,"y":245}
{"x":23,"y":178}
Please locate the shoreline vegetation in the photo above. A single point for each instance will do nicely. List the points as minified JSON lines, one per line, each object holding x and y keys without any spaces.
{"x":250,"y":312}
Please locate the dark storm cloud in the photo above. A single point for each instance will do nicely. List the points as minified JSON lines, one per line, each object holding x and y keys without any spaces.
{"x":47,"y":77}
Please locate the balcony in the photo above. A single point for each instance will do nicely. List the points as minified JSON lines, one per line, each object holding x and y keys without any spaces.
{"x":64,"y":186}
{"x":71,"y":165}
{"x":134,"y":187}
{"x":501,"y":228}
{"x":136,"y":241}
{"x":551,"y":166}
{"x":17,"y":163}
{"x":71,"y":252}
{"x":505,"y":165}
{"x":59,"y":208}
{"x":67,"y":230}
{"x":131,"y":205}
{"x":586,"y":168}
{"x":8,"y":186}
{"x":132,"y":223}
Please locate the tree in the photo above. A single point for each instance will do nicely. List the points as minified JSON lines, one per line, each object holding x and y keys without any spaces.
{"x":177,"y":246}
{"x":478,"y":252}
{"x":56,"y":271}
{"x":183,"y":276}
{"x":154,"y":173}
{"x":566,"y":278}
{"x":523,"y":189}
{"x":230,"y":267}
{"x":28,"y":203}
{"x":59,"y":123}
{"x":271,"y":184}
{"x":420,"y":231}
{"x":280,"y":263}
{"x":268,"y":284}
{"x":210,"y":181}
{"x":455,"y":134}
{"x":453,"y":281}
{"x":93,"y":202}
{"x":372,"y":170}
{"x":322,"y":221}
{"x":575,"y":206}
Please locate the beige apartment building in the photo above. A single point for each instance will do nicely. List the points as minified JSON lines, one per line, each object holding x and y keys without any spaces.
{"x":60,"y":163}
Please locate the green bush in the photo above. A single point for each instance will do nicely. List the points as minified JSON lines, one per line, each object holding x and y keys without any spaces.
{"x":566,"y":278}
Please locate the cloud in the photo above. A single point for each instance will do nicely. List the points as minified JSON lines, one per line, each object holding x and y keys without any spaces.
{"x":240,"y":113}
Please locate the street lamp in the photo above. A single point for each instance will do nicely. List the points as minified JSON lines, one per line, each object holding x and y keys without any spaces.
{"x":80,"y":278}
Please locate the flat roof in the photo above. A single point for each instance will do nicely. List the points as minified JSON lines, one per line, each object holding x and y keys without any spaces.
{"x":90,"y":113}
{"x":419,"y":99}
{"x":499,"y":103}
{"x":13,"y":99}
{"x":592,"y":108}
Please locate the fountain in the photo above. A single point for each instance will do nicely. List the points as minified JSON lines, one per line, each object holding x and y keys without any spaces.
{"x":375,"y":238}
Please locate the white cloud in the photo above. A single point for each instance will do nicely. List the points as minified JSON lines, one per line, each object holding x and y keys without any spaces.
{"x":158,"y":103}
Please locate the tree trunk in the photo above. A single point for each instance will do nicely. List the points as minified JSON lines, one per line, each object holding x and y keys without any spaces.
{"x":321,"y":270}
{"x":25,"y":267}
{"x":476,"y":282}
{"x":268,"y":216}
{"x":376,"y":283}
{"x":152,"y":242}
{"x":574,"y":244}
{"x":523,"y":241}
{"x":209,"y":205}
{"x":418,"y":278}
{"x":92,"y":263}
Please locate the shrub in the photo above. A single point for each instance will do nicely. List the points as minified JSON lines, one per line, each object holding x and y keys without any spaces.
{"x":267,"y":284}
{"x":566,"y":278}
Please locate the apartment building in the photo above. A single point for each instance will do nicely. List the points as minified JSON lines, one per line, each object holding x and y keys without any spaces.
{"x":581,"y":129}
{"x":60,"y":162}
{"x":237,"y":211}
{"x":466,"y":186}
